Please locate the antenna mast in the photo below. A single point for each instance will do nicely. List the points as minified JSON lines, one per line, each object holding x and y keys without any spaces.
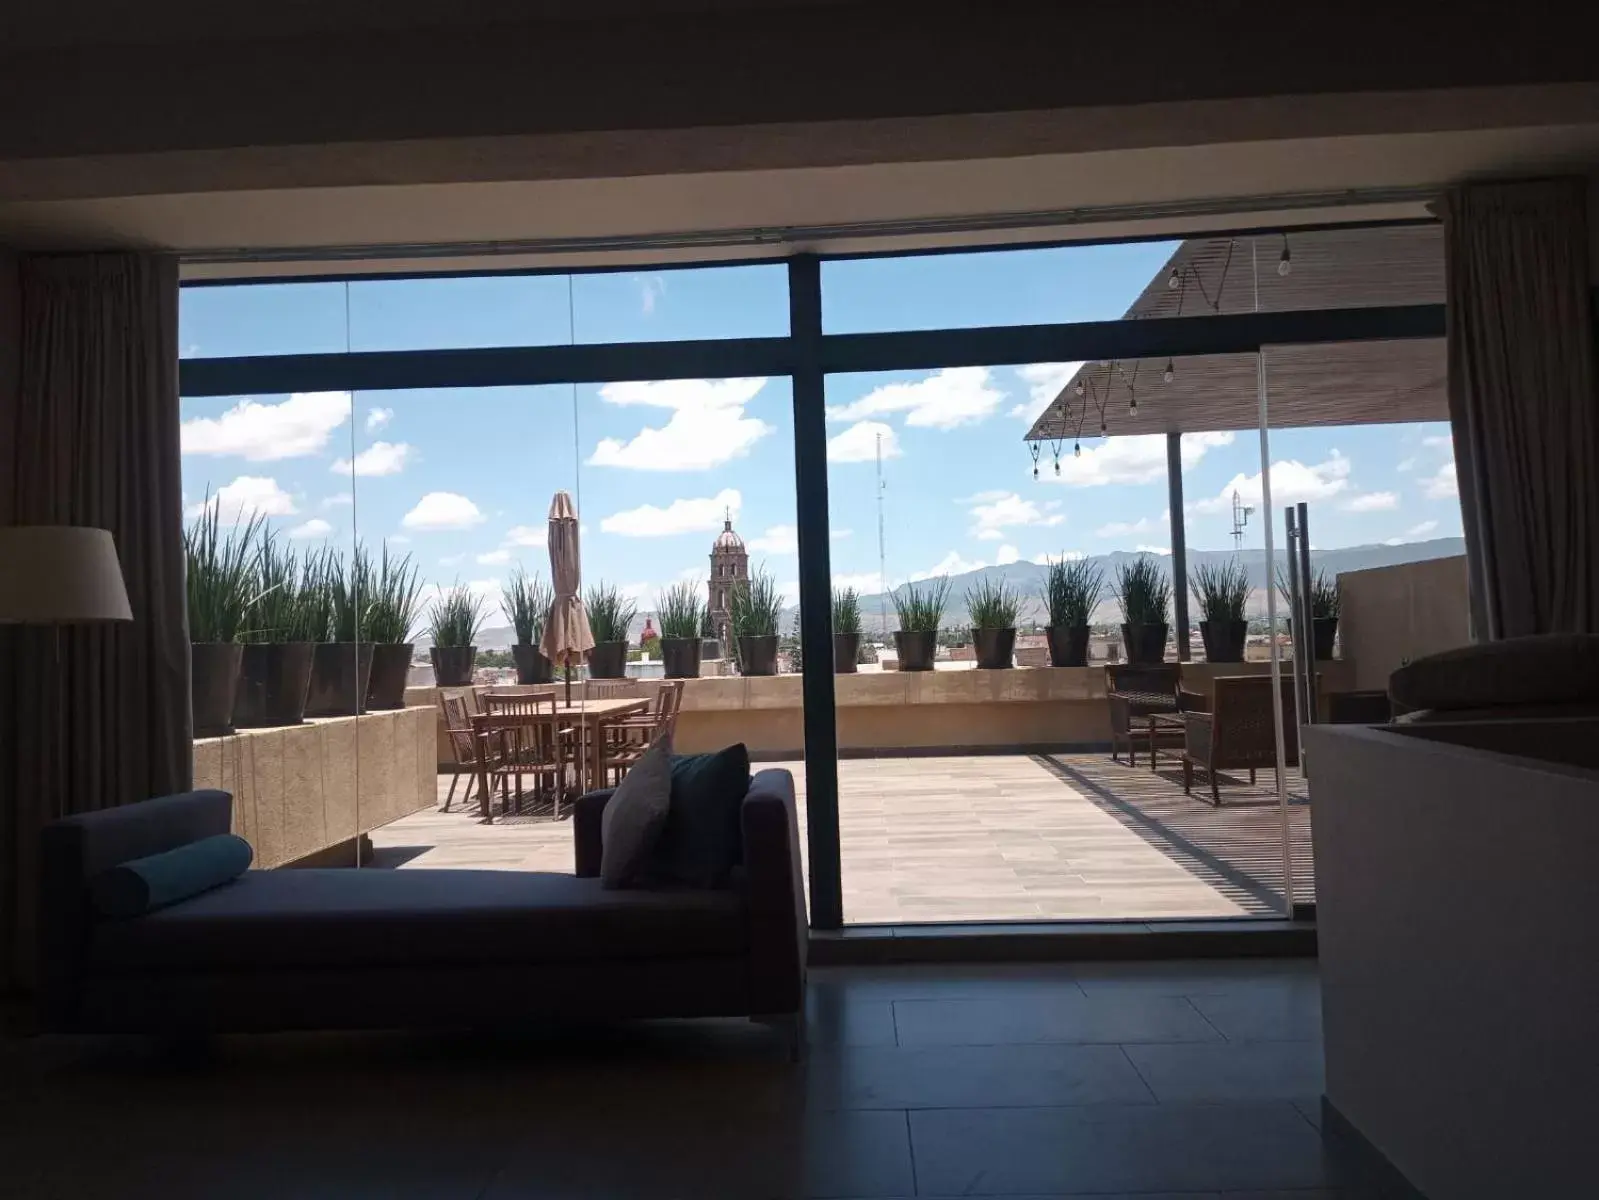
{"x":882,"y":552}
{"x":1241,"y":512}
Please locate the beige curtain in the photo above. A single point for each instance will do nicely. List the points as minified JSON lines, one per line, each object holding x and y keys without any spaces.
{"x":89,"y":423}
{"x":1523,"y":404}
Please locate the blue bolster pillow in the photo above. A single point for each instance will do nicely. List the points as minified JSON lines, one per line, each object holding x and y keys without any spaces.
{"x":143,"y":885}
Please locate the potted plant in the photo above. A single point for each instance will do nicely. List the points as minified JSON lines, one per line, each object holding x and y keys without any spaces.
{"x":1222,"y":591}
{"x":682,"y":614}
{"x":846,"y":630}
{"x":755,"y":610}
{"x":218,"y":579}
{"x":920,"y":610}
{"x":341,"y":665}
{"x":610,"y":618}
{"x":527,"y":601}
{"x":390,"y":617}
{"x":1071,"y":593}
{"x":992,"y":607}
{"x":1145,"y":596}
{"x":282,"y":629}
{"x":1325,"y":603}
{"x":454,"y":623}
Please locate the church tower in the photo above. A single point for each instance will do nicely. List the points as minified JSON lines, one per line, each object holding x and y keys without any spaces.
{"x":730,"y":564}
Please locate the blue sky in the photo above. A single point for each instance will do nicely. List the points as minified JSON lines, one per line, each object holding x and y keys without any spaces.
{"x":462,"y":478}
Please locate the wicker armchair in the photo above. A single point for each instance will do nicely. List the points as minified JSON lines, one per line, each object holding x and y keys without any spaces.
{"x":1238,"y":732}
{"x":1136,"y":691}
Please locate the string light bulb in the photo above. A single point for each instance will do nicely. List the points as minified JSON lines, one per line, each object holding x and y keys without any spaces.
{"x":1170,"y":372}
{"x":1102,"y":429}
{"x":1077,"y":449}
{"x":1132,"y":407}
{"x":1285,"y":262}
{"x":1080,"y":389}
{"x":1173,"y":281}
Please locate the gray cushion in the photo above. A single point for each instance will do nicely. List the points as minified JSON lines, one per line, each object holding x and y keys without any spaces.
{"x":142,"y":885}
{"x":1546,"y":669}
{"x":350,"y":918}
{"x":702,"y":842}
{"x":636,"y":817}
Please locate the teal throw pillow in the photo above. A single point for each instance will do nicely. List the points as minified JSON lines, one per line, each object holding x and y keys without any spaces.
{"x":132,"y":889}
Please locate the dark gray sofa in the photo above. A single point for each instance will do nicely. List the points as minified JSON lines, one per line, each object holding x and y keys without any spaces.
{"x":385,"y":949}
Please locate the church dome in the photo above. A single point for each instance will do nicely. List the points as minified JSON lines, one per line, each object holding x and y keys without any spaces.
{"x":728,"y":540}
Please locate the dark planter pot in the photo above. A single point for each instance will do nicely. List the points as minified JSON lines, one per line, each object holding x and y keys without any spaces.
{"x":1145,"y":643}
{"x":846,"y":652}
{"x":391,"y":667}
{"x":274,"y":679}
{"x":1224,"y":640}
{"x":213,"y":686}
{"x":995,"y":648}
{"x":452,"y":665}
{"x":608,"y":660}
{"x":1323,"y":632}
{"x":531,"y":665}
{"x":757,"y":654}
{"x":1068,"y":645}
{"x":340,"y":675}
{"x":916,"y":650}
{"x":681,"y":657}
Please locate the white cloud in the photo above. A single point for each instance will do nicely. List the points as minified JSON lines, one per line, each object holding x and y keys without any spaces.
{"x":1142,"y":525}
{"x":316,"y":527}
{"x":380,"y":458}
{"x":946,"y":399}
{"x":443,"y":510}
{"x":702,"y":515}
{"x":1440,"y":441}
{"x":494,"y":557}
{"x":779,"y":539}
{"x":640,"y":592}
{"x":398,"y":539}
{"x":1153,"y":549}
{"x":1443,"y":485}
{"x":789,"y":590}
{"x":651,"y":288}
{"x":708,"y":425}
{"x":1393,"y":541}
{"x":1421,"y":530}
{"x":951,"y":564}
{"x":260,"y":432}
{"x":1291,"y":482}
{"x":868,"y":582}
{"x":1406,"y":464}
{"x":1007,"y":555}
{"x":1045,"y":380}
{"x":1063,"y":556}
{"x":839,"y":534}
{"x":859,"y":443}
{"x":1368,"y":502}
{"x":377,"y":418}
{"x":338,"y":499}
{"x":1138,"y":458}
{"x":245,"y":495}
{"x":1022,"y":412}
{"x":527,"y":535}
{"x":995,"y":512}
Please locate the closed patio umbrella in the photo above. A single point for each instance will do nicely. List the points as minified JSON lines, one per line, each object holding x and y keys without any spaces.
{"x":567,"y":637}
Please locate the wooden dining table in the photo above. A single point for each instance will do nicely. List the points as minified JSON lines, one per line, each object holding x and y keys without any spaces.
{"x":591,"y":717}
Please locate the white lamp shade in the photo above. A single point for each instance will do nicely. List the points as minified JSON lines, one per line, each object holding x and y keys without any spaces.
{"x":60,"y":575}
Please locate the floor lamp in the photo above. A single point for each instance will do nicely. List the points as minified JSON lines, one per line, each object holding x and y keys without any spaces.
{"x":59,"y":575}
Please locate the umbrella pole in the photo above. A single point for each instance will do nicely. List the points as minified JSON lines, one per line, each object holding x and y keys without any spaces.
{"x":569,"y":685}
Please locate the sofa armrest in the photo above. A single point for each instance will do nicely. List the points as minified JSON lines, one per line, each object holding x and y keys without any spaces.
{"x":72,"y":851}
{"x":588,"y":844}
{"x":779,"y":925}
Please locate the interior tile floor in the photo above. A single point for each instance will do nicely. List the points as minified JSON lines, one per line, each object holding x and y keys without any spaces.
{"x":997,"y":837}
{"x":1191,"y":1079}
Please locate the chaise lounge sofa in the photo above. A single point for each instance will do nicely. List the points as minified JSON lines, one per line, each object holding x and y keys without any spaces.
{"x":385,"y":949}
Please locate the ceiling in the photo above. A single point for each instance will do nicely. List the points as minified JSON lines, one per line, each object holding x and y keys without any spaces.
{"x":1353,"y":383}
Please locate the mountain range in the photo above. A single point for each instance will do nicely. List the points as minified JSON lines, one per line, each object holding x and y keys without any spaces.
{"x":877,"y":610}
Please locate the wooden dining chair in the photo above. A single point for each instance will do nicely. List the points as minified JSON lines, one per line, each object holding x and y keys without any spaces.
{"x":627,"y":738}
{"x":458,"y":709}
{"x":608,"y":689}
{"x":517,"y":745}
{"x":529,"y":700}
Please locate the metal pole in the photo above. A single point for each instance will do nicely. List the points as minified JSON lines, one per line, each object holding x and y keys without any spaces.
{"x":1307,"y":714}
{"x":1276,"y":653}
{"x":816,"y":597}
{"x":1179,"y":542}
{"x":1296,"y":611}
